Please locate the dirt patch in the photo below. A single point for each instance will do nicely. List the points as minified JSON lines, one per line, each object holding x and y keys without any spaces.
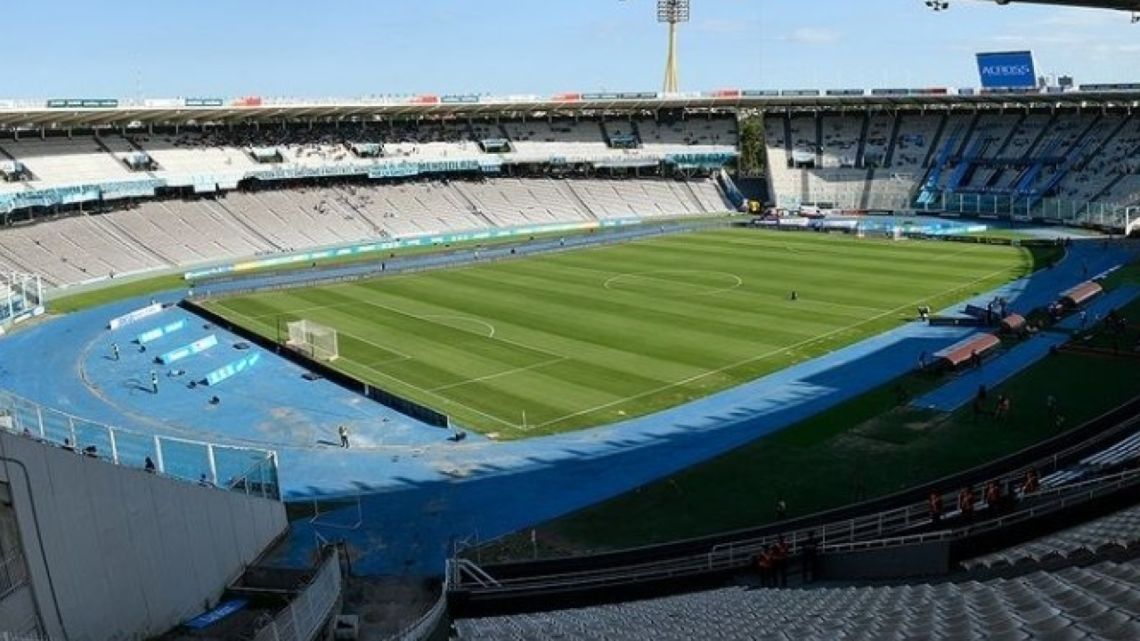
{"x":387,"y":605}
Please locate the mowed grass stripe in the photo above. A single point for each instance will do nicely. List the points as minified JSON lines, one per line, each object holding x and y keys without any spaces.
{"x":612,"y":370}
{"x":569,"y":351}
{"x":805,"y":267}
{"x":842,"y":283}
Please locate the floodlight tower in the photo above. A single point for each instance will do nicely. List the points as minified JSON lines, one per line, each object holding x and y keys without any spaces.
{"x":672,"y":12}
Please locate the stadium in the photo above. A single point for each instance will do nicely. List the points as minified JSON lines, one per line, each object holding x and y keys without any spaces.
{"x":740,"y":363}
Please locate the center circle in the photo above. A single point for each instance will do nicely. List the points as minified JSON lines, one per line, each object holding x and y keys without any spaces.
{"x":675,"y":282}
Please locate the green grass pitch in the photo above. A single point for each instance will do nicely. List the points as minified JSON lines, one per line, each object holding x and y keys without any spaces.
{"x":562,"y":341}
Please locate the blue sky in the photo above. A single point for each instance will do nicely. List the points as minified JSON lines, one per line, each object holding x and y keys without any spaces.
{"x":172,"y":48}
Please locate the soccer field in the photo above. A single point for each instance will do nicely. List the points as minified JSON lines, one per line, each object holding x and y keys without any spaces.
{"x":563,"y":341}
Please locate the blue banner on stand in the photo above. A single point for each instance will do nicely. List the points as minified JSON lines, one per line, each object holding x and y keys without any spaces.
{"x":233,"y":369}
{"x":197,"y":347}
{"x":159,"y":332}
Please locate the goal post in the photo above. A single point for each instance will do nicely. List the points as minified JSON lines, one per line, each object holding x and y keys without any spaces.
{"x":316,"y":340}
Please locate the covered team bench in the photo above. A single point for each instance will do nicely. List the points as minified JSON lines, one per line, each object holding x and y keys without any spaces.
{"x":1081,"y":294}
{"x":962,"y":351}
{"x":1013,"y":324}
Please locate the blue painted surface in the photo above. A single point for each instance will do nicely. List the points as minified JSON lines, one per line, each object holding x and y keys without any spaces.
{"x":1101,"y":306}
{"x":223,"y":610}
{"x":157,"y":333}
{"x":186,"y":351}
{"x":233,"y":369}
{"x":419,"y":492}
{"x":962,"y":389}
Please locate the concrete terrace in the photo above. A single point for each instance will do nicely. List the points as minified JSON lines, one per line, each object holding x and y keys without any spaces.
{"x":405,"y":493}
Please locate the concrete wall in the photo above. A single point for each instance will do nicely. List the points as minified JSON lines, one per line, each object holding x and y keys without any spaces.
{"x":116,"y":553}
{"x":17,"y":606}
{"x":918,"y":560}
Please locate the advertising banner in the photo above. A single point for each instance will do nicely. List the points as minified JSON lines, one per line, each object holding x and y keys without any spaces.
{"x":137,"y":315}
{"x":234,"y":368}
{"x":1007,"y":70}
{"x":159,"y":332}
{"x":82,"y":103}
{"x":197,"y":347}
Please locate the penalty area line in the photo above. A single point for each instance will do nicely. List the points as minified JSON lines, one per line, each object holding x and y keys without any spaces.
{"x":514,"y":370}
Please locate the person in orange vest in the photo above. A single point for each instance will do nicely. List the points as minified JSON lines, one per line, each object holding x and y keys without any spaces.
{"x":966,"y":503}
{"x":993,"y":496}
{"x":1031,"y":484}
{"x":781,"y":562}
{"x":764,"y":562}
{"x":934,"y":503}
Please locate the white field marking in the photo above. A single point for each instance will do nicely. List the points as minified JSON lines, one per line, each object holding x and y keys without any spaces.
{"x":387,"y":361}
{"x":302,"y":310}
{"x":470,"y":319}
{"x":395,"y":351}
{"x":608,"y":284}
{"x":771,"y":353}
{"x":400,"y":356}
{"x":444,"y":399}
{"x":967,"y":250}
{"x":513,"y":370}
{"x":256,"y":319}
{"x":494,"y":338}
{"x":425,"y":317}
{"x":826,"y":303}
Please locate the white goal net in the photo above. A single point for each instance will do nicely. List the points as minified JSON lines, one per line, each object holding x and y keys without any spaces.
{"x":316,"y":340}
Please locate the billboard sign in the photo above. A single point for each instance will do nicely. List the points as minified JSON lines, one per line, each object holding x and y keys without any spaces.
{"x":82,"y":103}
{"x":1007,"y":70}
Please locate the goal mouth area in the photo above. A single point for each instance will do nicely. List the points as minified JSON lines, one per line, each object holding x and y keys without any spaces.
{"x":314,"y":340}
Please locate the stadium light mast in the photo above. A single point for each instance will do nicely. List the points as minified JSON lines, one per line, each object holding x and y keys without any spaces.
{"x":672,"y":12}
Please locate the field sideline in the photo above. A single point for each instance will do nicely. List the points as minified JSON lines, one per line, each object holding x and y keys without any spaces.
{"x":564,"y":341}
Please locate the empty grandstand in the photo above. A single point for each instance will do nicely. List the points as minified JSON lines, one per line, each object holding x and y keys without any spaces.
{"x":1058,"y":165}
{"x":81,"y":213}
{"x":746,"y":362}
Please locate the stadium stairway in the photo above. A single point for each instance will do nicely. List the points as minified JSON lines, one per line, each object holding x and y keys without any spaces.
{"x":1100,"y":601}
{"x":1120,"y":530}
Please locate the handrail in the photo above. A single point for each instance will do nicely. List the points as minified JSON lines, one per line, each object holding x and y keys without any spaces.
{"x":13,"y":572}
{"x":1061,"y":496}
{"x":423,"y":627}
{"x":919,"y":510}
{"x":304,"y":618}
{"x":885,"y":522}
{"x":922,"y":516}
{"x":22,"y":416}
{"x":464,"y":566}
{"x":1099,"y":487}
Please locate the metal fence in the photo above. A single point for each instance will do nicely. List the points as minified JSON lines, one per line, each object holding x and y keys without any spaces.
{"x":13,"y":572}
{"x":898,"y":195}
{"x":1078,"y":213}
{"x":834,"y":535}
{"x":427,"y":626}
{"x":879,"y":531}
{"x":306,"y":616}
{"x":1048,"y":501}
{"x":240,"y":469}
{"x":30,"y":624}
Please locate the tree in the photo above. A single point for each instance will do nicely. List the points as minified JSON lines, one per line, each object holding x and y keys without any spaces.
{"x":752,"y":145}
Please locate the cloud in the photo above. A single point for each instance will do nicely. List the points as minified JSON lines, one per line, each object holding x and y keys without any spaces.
{"x":813,"y":36}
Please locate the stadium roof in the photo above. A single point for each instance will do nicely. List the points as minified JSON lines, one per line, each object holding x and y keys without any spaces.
{"x":1122,"y":5}
{"x":35,"y":116}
